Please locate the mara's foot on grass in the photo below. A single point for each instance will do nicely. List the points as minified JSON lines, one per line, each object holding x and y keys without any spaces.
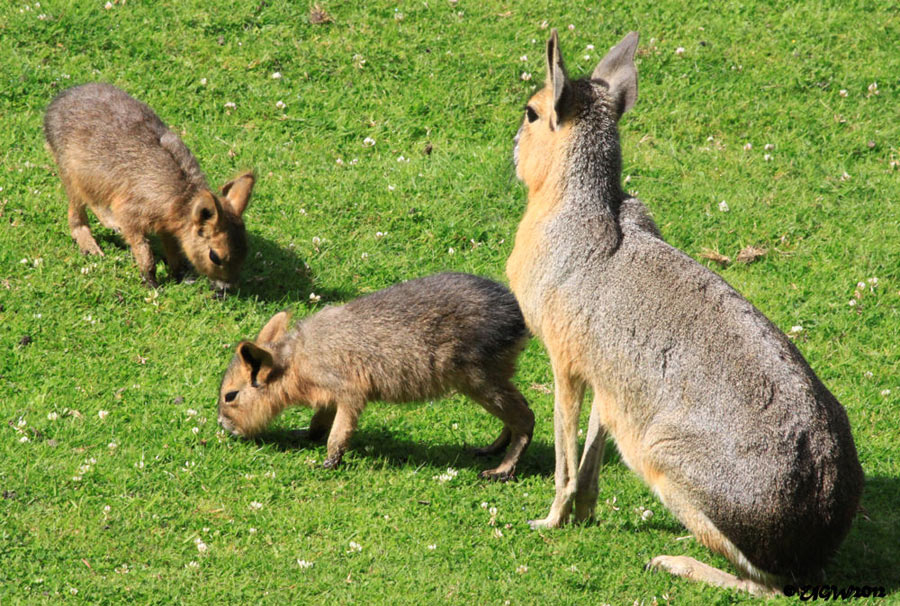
{"x":498,"y":475}
{"x":548,"y":522}
{"x":150,"y":282}
{"x":332,"y":461}
{"x":694,"y":570}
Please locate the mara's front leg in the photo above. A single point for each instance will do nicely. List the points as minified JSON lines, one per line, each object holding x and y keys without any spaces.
{"x":569,"y":392}
{"x":591,"y":458}
{"x":346,"y":418}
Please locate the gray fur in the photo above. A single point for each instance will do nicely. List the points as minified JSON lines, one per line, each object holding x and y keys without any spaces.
{"x":725,"y":405}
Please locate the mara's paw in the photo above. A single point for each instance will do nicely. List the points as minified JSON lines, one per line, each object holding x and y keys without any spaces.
{"x":548,"y":522}
{"x":332,"y":461}
{"x":496,"y":475}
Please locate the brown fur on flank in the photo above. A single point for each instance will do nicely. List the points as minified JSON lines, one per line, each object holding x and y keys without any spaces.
{"x":116,"y":157}
{"x":708,"y":401}
{"x":413,"y":341}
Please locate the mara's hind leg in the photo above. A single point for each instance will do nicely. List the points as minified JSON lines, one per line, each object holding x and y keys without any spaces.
{"x":506,"y":403}
{"x":569,"y":392}
{"x":591,"y":458}
{"x":497,"y":446}
{"x":78,"y":220}
{"x":320,"y":424}
{"x":754,"y":580}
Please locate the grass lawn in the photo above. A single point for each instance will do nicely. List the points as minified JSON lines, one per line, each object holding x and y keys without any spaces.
{"x":117,"y":485}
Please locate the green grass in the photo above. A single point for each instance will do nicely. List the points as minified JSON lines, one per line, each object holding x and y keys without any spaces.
{"x":412,"y":74}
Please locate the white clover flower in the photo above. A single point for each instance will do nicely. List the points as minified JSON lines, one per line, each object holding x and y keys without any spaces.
{"x":845,"y":176}
{"x":230,"y":105}
{"x":192,"y":564}
{"x":21,"y":422}
{"x":354,"y":547}
{"x":544,"y":24}
{"x":314,"y":297}
{"x":860,"y":285}
{"x":484,"y":505}
{"x":108,"y":5}
{"x":796,"y":328}
{"x":679,"y":50}
{"x":391,"y":188}
{"x":379,"y":234}
{"x":450,"y":251}
{"x":52,"y":416}
{"x":454,"y":426}
{"x":571,"y":27}
{"x":522,"y":569}
{"x":280,"y":105}
{"x":868,"y":374}
{"x":304,"y":564}
{"x":768,"y":146}
{"x":852,"y":302}
{"x":873,"y":88}
{"x":276,"y":76}
{"x":646,"y":515}
{"x":24,"y":439}
{"x":102,"y":414}
{"x":590,"y":47}
{"x":339,"y":162}
{"x":492,"y":511}
{"x":195,"y":430}
{"x":723,"y":206}
{"x":203,"y":81}
{"x":432,"y":547}
{"x":106,"y":509}
{"x":201,"y":546}
{"x":526,"y":76}
{"x":498,"y":534}
{"x":446,"y":476}
{"x":316,"y":240}
{"x":843,"y":92}
{"x":112,"y":445}
{"x":523,"y":58}
{"x":252,"y":531}
{"x":748,"y":146}
{"x":885,"y":392}
{"x":73,"y":590}
{"x":256,"y":505}
{"x":76,"y":478}
{"x":368,"y":141}
{"x":364,"y":255}
{"x":767,"y":157}
{"x":873,"y":281}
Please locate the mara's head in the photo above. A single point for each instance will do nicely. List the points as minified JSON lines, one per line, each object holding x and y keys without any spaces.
{"x":215,"y":241}
{"x":568,"y":113}
{"x":247,"y":400}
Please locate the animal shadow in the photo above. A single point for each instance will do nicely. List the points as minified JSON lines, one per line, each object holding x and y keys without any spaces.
{"x":869,"y":555}
{"x":395,"y":451}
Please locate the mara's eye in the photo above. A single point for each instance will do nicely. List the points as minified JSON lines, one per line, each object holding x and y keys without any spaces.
{"x":230,"y":396}
{"x":214,"y":257}
{"x":530,"y":114}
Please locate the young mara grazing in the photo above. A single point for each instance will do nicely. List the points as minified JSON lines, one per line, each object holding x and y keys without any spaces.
{"x":116,"y":157}
{"x":413,"y":341}
{"x":705,"y":398}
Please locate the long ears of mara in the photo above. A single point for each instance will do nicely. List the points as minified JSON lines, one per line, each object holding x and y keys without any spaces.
{"x":706,"y":399}
{"x":245,"y":403}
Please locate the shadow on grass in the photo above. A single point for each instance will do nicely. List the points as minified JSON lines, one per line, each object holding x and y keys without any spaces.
{"x":274,"y":273}
{"x":270,"y":273}
{"x":871,"y":553}
{"x":396,"y":451}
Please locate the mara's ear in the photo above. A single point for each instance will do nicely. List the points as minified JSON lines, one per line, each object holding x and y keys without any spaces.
{"x":557,"y":80}
{"x":204,"y":208}
{"x":257,"y":362}
{"x":274,"y":328}
{"x":238,"y":190}
{"x":618,"y":72}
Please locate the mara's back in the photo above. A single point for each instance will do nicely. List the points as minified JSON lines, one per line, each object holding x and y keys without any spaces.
{"x":109,"y":141}
{"x":427,"y":329}
{"x":725,"y":404}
